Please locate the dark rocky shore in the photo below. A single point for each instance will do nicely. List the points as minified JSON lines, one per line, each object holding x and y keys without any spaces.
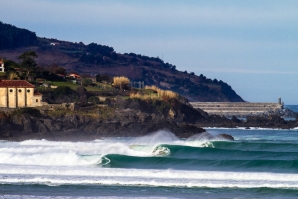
{"x":121,"y":119}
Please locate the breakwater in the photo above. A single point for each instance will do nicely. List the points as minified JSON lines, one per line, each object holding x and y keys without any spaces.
{"x":237,"y":108}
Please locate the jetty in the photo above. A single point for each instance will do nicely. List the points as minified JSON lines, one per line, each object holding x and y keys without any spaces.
{"x":241,"y":109}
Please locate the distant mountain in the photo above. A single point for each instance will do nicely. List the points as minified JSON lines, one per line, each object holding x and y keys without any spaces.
{"x":99,"y":59}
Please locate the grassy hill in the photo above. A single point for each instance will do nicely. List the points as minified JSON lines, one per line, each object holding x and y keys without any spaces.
{"x":98,"y":59}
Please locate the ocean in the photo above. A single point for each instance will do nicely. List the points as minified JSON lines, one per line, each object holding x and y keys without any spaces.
{"x":260,"y":163}
{"x":292,"y":107}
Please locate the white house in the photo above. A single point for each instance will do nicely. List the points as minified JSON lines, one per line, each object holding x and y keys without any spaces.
{"x":2,"y":69}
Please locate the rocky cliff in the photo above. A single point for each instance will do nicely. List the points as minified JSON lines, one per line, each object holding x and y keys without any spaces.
{"x":119,"y":120}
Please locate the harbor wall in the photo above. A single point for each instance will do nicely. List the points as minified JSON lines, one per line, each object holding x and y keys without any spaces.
{"x":237,"y":108}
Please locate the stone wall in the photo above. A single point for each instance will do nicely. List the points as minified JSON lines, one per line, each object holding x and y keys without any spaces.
{"x":65,"y":106}
{"x":53,"y":107}
{"x":237,"y":108}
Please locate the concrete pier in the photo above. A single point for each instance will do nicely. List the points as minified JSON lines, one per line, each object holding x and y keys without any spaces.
{"x":237,"y":108}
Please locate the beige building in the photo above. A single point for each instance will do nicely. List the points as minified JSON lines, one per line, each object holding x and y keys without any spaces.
{"x":18,"y":93}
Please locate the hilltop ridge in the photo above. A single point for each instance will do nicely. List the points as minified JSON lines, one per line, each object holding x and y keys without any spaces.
{"x":99,"y":59}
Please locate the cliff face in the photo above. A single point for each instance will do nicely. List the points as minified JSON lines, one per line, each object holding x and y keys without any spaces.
{"x":95,"y":58}
{"x":122,"y":121}
{"x":131,"y":118}
{"x":84,"y":127}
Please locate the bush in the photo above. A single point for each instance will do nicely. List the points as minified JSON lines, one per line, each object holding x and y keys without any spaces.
{"x":29,"y":111}
{"x":86,"y":81}
{"x":94,"y":100}
{"x":121,"y":82}
{"x":164,"y":94}
{"x":104,"y":78}
{"x":64,"y":94}
{"x":108,"y":101}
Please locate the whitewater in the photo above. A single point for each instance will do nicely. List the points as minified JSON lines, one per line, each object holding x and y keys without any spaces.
{"x":260,"y":163}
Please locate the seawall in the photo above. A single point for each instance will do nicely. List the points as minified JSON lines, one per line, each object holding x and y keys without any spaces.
{"x":237,"y":108}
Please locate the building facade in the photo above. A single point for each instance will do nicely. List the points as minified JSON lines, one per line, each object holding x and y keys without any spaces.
{"x":18,"y":94}
{"x":2,"y":69}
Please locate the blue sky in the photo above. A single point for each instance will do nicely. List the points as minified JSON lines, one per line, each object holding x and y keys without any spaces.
{"x":250,"y":44}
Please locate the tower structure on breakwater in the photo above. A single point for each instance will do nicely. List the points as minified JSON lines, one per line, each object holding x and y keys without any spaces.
{"x":241,"y":109}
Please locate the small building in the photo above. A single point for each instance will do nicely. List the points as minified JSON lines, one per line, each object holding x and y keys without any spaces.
{"x":54,"y":44}
{"x":18,"y":93}
{"x":2,"y":69}
{"x":61,"y":76}
{"x":74,"y":76}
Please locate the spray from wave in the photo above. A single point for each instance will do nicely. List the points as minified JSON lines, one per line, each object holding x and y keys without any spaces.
{"x":43,"y":152}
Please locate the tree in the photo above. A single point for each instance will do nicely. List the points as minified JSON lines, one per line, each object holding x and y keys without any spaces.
{"x":28,"y":62}
{"x":104,"y":78}
{"x":64,"y":94}
{"x":56,"y":69}
{"x":86,"y":81}
{"x":13,"y":76}
{"x":13,"y":37}
{"x":10,"y":68}
{"x":82,"y":92}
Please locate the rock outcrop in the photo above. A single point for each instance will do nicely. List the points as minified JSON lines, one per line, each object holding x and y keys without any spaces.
{"x":78,"y":126}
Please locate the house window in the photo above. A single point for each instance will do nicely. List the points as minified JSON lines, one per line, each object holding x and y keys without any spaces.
{"x":36,"y":100}
{"x":10,"y":90}
{"x":20,"y":90}
{"x":28,"y":91}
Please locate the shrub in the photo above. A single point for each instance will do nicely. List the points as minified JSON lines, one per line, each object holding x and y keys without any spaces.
{"x":143,"y":96}
{"x":121,"y":82}
{"x":94,"y":100}
{"x":64,"y":94}
{"x":164,"y":94}
{"x":108,"y":101}
{"x":104,"y":78}
{"x":28,"y":111}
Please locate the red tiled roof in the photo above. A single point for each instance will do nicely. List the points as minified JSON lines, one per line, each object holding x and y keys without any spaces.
{"x":37,"y":93}
{"x":74,"y":75}
{"x":1,"y":62}
{"x":15,"y":84}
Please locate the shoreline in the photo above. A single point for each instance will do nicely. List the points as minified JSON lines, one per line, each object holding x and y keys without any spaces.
{"x":133,"y":119}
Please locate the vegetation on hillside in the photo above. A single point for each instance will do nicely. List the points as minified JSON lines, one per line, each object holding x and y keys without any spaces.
{"x":13,"y":37}
{"x":95,"y":58}
{"x":164,"y":94}
{"x":121,"y":82}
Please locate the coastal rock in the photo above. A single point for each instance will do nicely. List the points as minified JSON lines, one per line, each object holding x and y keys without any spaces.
{"x":127,"y":122}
